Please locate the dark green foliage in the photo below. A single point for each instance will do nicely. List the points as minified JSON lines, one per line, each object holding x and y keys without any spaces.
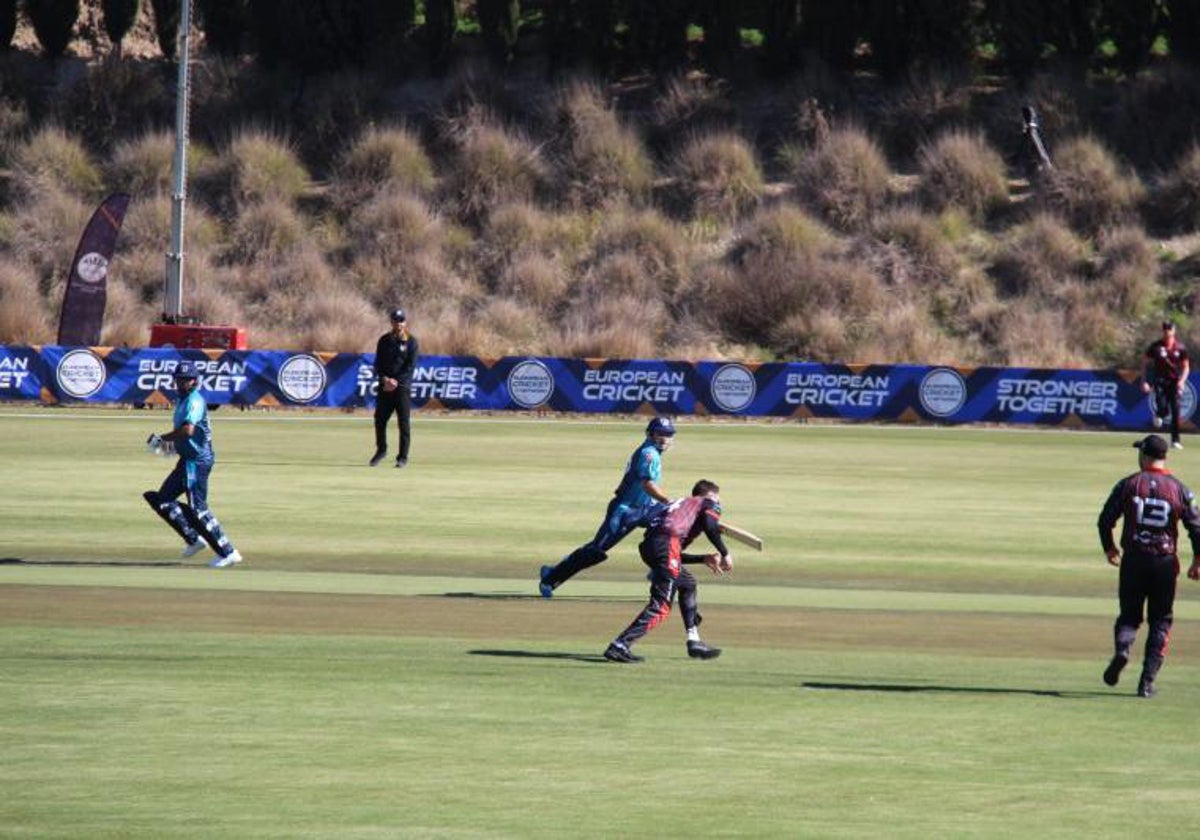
{"x":920,"y":34}
{"x":166,"y":26}
{"x":657,"y":35}
{"x":722,"y":37}
{"x":225,"y":23}
{"x":1075,"y":28}
{"x":8,"y":22}
{"x":779,"y":34}
{"x":1021,"y":27}
{"x":52,"y":22}
{"x":119,"y":16}
{"x":1183,"y":30}
{"x":830,"y":30}
{"x":440,"y":21}
{"x":1133,"y":25}
{"x":318,"y":36}
{"x":499,"y":21}
{"x":580,"y":33}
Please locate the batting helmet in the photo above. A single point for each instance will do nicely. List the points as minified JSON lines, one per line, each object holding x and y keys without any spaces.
{"x":185,"y":370}
{"x":662,"y":426}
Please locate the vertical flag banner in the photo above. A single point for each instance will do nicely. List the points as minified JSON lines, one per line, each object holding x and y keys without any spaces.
{"x":87,"y":286}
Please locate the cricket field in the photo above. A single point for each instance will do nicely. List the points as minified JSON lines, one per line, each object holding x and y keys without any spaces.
{"x":917,"y":653}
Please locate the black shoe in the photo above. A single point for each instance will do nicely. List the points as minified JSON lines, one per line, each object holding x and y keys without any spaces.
{"x":699,"y":650}
{"x":1146,"y":688}
{"x":377,"y":457}
{"x":1112,"y":674}
{"x":401,"y":463}
{"x":616,"y":653}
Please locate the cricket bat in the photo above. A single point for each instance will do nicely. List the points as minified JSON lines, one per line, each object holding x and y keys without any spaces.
{"x":742,"y":535}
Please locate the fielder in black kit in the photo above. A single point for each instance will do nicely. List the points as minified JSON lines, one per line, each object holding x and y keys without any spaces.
{"x":669,"y":530}
{"x":1152,"y":502}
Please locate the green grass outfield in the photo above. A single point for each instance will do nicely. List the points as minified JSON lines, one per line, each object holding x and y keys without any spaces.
{"x":916,"y":654}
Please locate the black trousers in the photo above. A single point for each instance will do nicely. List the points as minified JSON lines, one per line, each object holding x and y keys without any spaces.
{"x":1147,"y":587}
{"x":398,"y":402}
{"x":668,"y":576}
{"x":1166,"y":399}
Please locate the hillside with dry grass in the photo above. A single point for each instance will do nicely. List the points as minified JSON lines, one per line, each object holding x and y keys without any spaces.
{"x":809,"y":218}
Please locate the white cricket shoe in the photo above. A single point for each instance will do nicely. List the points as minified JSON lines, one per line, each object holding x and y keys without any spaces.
{"x":192,"y":549}
{"x":230,"y":559}
{"x":1177,"y":445}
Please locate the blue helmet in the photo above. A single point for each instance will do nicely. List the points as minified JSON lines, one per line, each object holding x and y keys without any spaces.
{"x":185,"y":370}
{"x":661,"y":427}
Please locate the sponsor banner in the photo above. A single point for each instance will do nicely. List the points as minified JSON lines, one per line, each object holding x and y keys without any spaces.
{"x":1108,"y":399}
{"x":86,"y":290}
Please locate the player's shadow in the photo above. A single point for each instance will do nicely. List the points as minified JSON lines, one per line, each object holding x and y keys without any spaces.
{"x":540,"y":654}
{"x":901,"y":688}
{"x":118,"y":564}
{"x":516,"y":596}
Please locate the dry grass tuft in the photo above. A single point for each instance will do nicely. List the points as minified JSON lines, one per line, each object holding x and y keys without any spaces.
{"x":1089,"y":188}
{"x":1175,"y":202}
{"x":1128,"y":278}
{"x":495,"y":166}
{"x":389,"y":159}
{"x":265,"y":231}
{"x":260,"y":165}
{"x":52,"y":159}
{"x":24,"y":315}
{"x":718,"y":176}
{"x":960,"y":170}
{"x":1037,"y":255}
{"x":845,"y":177}
{"x":602,"y":161}
{"x":392,"y":227}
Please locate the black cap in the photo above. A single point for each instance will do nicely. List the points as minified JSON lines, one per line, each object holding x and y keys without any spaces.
{"x":1152,"y":446}
{"x":1168,"y":325}
{"x":397,"y":315}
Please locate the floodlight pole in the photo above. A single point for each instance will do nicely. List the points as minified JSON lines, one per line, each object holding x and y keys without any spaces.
{"x":173,"y":290}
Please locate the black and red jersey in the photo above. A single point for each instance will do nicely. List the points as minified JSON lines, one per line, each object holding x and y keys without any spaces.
{"x":1153,"y":503}
{"x":686,"y":519}
{"x":1166,"y":363}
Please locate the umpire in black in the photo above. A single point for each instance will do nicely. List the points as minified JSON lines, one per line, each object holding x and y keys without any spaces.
{"x":1152,"y":502}
{"x":395,"y":358}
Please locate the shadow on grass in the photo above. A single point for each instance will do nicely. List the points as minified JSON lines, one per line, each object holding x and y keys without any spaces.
{"x":120,"y":564}
{"x":950,"y":689}
{"x":538,"y":654}
{"x":514,"y":596}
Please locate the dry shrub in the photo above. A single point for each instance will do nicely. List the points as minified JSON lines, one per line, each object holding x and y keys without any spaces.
{"x":689,"y":105}
{"x":845,"y":177}
{"x":1176,"y":198}
{"x":534,"y":279}
{"x":919,"y":250}
{"x":258,"y":165}
{"x":387,"y":159}
{"x":148,"y":225}
{"x":1127,"y":282}
{"x":1038,"y":254}
{"x":1089,"y":188}
{"x":14,"y":125}
{"x":718,"y":176}
{"x":112,"y":94}
{"x":961,"y":170}
{"x":38,"y":237}
{"x":602,"y":160}
{"x":336,"y":320}
{"x":424,"y":277}
{"x":1027,"y":333}
{"x":514,"y":231}
{"x":393,"y":226}
{"x":24,"y":316}
{"x":453,"y":332}
{"x":617,"y":327}
{"x":1091,"y":328}
{"x":52,"y":159}
{"x":209,"y":294}
{"x":784,"y":265}
{"x":654,"y":246}
{"x":494,"y":166}
{"x":509,"y":327}
{"x":144,"y":165}
{"x":127,"y":318}
{"x":265,"y":231}
{"x":274,"y":293}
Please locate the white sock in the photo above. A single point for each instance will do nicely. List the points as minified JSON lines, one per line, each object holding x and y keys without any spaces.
{"x":693,"y":634}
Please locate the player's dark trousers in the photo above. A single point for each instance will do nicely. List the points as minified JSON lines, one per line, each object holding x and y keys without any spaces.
{"x":1166,"y":399}
{"x":387,"y":403}
{"x":667,"y":577}
{"x":1147,"y":582}
{"x":192,"y":519}
{"x":618,"y":522}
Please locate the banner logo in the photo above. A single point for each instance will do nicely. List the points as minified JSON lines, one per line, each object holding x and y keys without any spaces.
{"x":302,"y":378}
{"x":92,"y":268}
{"x":733,"y":388}
{"x":943,"y":392}
{"x":80,"y":374}
{"x":1187,"y":402}
{"x":530,"y":384}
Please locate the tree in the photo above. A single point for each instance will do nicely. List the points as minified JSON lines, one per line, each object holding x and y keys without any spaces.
{"x":657,"y":35}
{"x":1021,"y":26}
{"x":1075,"y":29}
{"x":1134,"y":26}
{"x":166,"y":26}
{"x":831,"y":30}
{"x":441,"y":19}
{"x":52,"y":22}
{"x":8,"y":23}
{"x":499,"y":21}
{"x":779,"y":34}
{"x":225,"y":23}
{"x":1184,"y":30}
{"x":119,"y":17}
{"x":722,"y":35}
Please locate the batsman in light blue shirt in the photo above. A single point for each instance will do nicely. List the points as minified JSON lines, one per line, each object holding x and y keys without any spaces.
{"x":191,"y":439}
